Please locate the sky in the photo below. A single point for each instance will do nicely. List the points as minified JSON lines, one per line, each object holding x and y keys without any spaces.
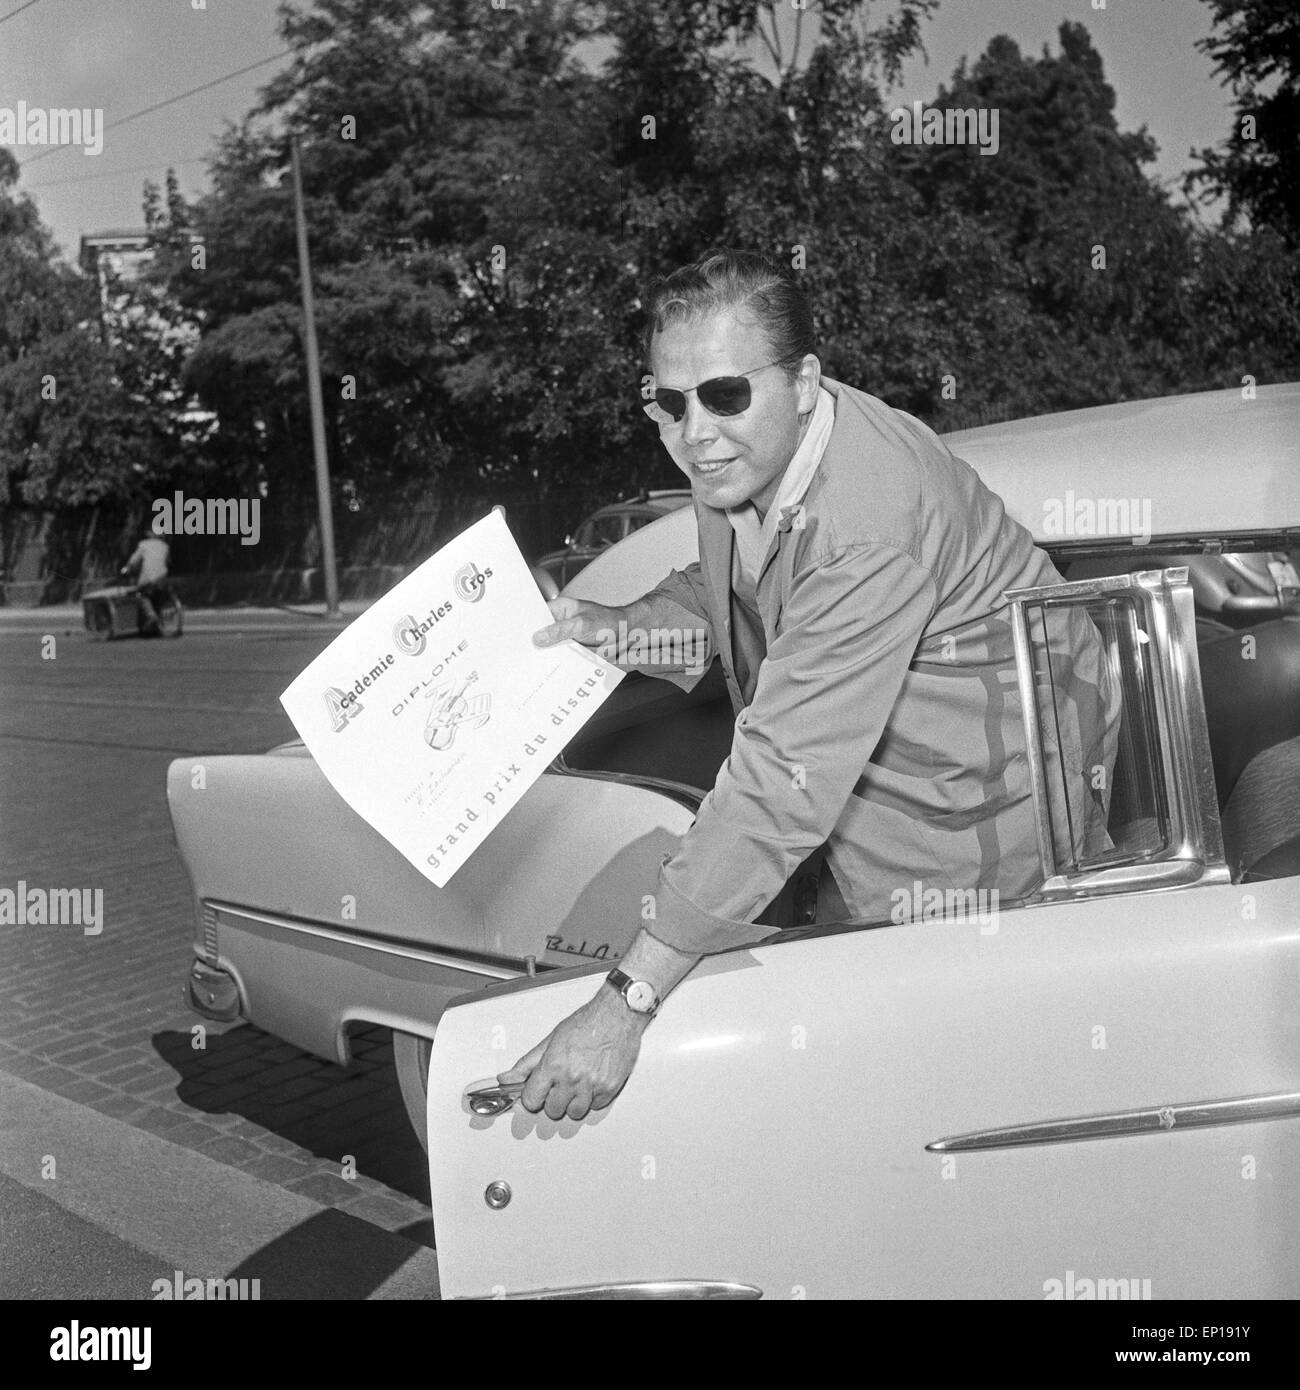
{"x":125,"y":55}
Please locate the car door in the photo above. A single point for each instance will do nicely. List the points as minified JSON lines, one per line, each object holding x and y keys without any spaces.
{"x":779,"y":1129}
{"x":1094,"y":1094}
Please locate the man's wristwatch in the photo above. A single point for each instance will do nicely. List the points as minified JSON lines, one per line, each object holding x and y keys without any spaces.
{"x":638,"y":995}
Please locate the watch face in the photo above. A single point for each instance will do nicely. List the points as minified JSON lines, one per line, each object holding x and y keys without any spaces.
{"x":640,"y":996}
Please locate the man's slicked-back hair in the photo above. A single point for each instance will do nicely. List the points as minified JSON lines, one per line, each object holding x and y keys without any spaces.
{"x":743,"y":280}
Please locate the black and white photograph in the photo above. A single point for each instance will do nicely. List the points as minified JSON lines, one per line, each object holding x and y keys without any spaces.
{"x":650,"y":651}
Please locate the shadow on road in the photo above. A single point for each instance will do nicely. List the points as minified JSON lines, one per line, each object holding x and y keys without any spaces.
{"x":330,"y":1250}
{"x":331,"y":1111}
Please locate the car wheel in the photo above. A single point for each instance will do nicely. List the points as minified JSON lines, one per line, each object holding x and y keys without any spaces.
{"x":99,"y":621}
{"x":171,"y":616}
{"x":411,"y":1058}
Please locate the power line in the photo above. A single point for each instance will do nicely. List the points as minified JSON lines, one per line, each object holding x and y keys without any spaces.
{"x":216,"y":81}
{"x":118,"y":173}
{"x":169,"y":101}
{"x":19,"y":10}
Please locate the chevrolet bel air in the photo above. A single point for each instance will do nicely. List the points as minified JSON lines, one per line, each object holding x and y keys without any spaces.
{"x":965,"y":1100}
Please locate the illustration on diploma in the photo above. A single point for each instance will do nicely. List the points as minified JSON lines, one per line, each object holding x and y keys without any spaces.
{"x":451,"y":709}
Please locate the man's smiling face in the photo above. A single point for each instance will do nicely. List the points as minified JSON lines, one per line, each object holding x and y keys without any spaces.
{"x":741,"y":458}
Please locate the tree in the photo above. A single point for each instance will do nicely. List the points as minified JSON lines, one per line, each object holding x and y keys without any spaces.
{"x":469,"y":297}
{"x":486,"y":208}
{"x":1257,"y":53}
{"x":71,"y":431}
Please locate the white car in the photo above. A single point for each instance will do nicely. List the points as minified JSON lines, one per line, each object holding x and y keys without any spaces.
{"x":1100,"y":1083}
{"x":1104,"y":1079}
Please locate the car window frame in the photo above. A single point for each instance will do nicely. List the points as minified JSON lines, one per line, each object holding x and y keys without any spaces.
{"x":590,"y":529}
{"x":1194,"y":852}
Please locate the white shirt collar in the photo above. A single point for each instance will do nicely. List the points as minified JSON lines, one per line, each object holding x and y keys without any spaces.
{"x":754,"y":538}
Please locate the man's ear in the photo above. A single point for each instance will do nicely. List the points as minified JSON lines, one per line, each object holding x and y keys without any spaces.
{"x":808,"y":381}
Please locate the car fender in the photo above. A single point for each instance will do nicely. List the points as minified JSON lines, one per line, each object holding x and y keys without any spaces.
{"x":315,"y":882}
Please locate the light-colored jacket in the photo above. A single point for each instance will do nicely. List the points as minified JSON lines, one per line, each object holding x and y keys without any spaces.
{"x":875,"y":690}
{"x":150,"y":557}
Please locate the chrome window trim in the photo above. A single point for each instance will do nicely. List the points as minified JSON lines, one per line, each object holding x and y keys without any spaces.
{"x":1189,"y":542}
{"x":492,"y":967}
{"x":1195,"y":854}
{"x":651,"y":1289}
{"x":1033,"y":732}
{"x":1192,"y":733}
{"x":1163,"y":1119}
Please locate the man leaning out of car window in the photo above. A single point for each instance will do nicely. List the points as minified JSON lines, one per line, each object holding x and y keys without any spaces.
{"x":850,"y":580}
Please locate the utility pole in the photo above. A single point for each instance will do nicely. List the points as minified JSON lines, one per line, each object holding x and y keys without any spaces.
{"x":316,"y":399}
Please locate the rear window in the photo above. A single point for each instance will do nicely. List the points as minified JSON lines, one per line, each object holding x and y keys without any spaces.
{"x":602,"y":531}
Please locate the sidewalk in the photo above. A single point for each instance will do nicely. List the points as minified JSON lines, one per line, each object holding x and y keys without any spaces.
{"x":101,"y":1020}
{"x":119,"y":1209}
{"x":233,"y":618}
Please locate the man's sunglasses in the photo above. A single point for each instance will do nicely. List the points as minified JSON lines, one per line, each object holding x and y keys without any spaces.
{"x":720,"y":395}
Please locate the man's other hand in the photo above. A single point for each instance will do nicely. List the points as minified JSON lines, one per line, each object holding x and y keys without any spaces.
{"x":584,"y":1063}
{"x":592,"y":624}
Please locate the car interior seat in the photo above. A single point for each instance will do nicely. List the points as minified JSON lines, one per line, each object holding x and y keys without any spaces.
{"x":1251,"y":681}
{"x":1261,"y":822}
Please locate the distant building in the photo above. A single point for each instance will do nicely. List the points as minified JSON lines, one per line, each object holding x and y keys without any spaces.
{"x":118,"y":260}
{"x":122,"y":254}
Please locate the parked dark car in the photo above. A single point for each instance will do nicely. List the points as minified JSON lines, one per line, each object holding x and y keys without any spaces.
{"x":607,"y":527}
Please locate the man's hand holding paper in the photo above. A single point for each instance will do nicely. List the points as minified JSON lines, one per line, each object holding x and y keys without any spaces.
{"x":435,"y":711}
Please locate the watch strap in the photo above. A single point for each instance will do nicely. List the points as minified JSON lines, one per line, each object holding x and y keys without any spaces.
{"x":621,"y":981}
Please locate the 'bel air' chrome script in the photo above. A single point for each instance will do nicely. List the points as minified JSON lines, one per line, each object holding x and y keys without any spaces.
{"x":558,"y":943}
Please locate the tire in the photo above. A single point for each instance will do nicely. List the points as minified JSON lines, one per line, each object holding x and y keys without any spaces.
{"x":171,"y":616}
{"x":411,"y":1061}
{"x":99,"y":620}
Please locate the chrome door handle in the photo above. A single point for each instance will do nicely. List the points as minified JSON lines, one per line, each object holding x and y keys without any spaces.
{"x":492,"y":1098}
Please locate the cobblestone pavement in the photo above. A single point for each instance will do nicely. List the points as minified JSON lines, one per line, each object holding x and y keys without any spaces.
{"x":85,"y":738}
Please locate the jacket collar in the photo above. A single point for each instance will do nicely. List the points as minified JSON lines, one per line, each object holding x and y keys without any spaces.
{"x":717,"y":536}
{"x":756,"y":541}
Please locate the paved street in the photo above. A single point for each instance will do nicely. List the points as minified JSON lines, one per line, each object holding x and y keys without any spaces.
{"x":98,"y":1024}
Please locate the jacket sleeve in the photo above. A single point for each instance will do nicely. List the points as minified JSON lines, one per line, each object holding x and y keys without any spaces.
{"x":673,"y":619}
{"x":825,"y":690}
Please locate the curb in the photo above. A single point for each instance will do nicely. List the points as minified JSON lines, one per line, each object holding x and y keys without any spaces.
{"x":66,"y":616}
{"x":176,"y":1206}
